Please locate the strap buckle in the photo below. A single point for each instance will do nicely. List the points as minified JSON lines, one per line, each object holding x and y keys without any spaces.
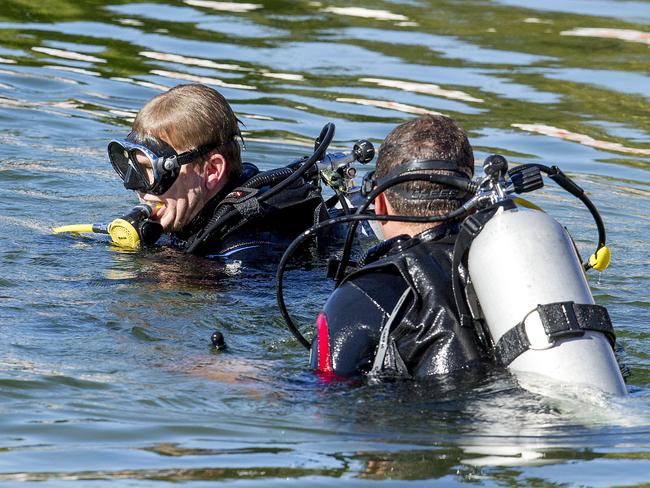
{"x":559,"y":321}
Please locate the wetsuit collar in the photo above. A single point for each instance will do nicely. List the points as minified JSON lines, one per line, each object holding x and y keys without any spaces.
{"x":206,"y":213}
{"x":402,"y":242}
{"x":437,"y":233}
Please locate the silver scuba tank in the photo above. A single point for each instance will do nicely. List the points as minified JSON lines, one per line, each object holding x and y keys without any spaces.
{"x":522,"y":259}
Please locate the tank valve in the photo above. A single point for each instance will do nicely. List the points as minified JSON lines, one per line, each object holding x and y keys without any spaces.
{"x":495,"y":166}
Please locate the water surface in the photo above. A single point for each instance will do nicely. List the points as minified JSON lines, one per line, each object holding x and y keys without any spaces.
{"x":107,"y":371}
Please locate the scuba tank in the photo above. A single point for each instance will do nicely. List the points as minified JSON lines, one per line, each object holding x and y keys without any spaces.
{"x":528,"y":293}
{"x":131,"y":231}
{"x":522,"y":261}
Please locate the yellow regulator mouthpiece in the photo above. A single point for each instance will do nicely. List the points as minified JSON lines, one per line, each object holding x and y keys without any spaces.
{"x":131,"y":231}
{"x":124,"y":234}
{"x":601,"y":259}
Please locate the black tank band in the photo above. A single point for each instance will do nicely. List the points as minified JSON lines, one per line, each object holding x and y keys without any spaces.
{"x":560,"y":320}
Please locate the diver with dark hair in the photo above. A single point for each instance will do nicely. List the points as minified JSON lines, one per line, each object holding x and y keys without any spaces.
{"x":395,"y":315}
{"x":183,"y":160}
{"x":468,"y":277}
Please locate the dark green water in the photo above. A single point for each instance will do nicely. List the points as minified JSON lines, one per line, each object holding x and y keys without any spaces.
{"x":106,"y":374}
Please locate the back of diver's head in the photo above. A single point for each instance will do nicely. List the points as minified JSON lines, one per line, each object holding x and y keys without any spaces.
{"x":428,"y":137}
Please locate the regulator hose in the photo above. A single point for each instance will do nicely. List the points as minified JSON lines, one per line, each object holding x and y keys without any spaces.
{"x":600,"y":259}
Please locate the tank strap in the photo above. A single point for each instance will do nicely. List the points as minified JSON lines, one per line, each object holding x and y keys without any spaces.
{"x":467,"y":303}
{"x":560,"y":320}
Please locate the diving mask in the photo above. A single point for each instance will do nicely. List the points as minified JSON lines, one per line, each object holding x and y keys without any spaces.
{"x":149,"y":165}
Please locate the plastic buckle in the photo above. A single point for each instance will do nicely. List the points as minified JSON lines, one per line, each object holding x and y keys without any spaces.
{"x":472,"y":225}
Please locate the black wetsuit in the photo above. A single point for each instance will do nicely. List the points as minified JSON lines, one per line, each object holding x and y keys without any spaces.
{"x":257,"y":228}
{"x":411,"y":283}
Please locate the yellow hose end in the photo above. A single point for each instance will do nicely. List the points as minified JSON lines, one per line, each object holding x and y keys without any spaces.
{"x":73,"y":228}
{"x":601,"y":259}
{"x":522,"y":202}
{"x":124,"y":234}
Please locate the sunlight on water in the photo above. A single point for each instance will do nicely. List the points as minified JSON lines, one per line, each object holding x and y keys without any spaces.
{"x":107,"y":371}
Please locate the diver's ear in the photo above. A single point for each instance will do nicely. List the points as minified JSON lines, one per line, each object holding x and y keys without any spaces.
{"x":215,"y":170}
{"x":381,"y":207}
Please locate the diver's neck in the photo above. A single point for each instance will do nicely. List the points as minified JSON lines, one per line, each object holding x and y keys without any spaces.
{"x":394,"y":229}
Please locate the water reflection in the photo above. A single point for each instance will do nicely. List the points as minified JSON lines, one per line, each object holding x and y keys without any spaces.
{"x":625,"y":10}
{"x":113,"y":348}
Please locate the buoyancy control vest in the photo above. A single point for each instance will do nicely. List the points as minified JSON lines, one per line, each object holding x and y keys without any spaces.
{"x":235,"y":219}
{"x":423,"y":335}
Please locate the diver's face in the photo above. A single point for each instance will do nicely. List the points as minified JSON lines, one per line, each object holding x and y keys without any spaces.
{"x":184,"y":199}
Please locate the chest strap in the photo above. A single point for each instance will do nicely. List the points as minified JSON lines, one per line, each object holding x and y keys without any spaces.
{"x":560,"y":320}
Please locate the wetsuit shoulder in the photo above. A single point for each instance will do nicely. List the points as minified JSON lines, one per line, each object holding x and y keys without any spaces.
{"x":346,"y":343}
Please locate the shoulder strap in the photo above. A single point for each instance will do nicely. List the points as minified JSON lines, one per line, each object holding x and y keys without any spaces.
{"x":384,"y":339}
{"x":467,"y":304}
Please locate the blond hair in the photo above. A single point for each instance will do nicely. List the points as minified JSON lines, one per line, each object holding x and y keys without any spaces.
{"x":190,"y":116}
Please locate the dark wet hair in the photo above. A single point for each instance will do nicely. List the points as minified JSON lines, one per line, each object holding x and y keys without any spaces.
{"x":429,"y":137}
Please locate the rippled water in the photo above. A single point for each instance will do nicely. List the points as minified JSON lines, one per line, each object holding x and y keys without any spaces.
{"x":107,"y":375}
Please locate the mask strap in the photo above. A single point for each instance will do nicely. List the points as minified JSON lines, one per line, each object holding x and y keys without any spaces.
{"x":370,"y":181}
{"x":424,"y":165}
{"x":192,"y":154}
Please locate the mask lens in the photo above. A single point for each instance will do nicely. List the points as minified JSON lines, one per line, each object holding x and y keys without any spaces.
{"x":143,"y":164}
{"x":134,"y":165}
{"x":119,"y":158}
{"x":149,"y":166}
